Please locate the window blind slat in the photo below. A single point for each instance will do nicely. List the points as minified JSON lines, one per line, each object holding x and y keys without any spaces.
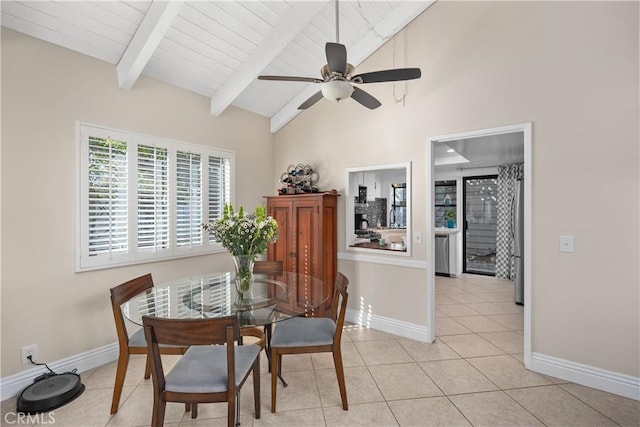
{"x":107,"y":196}
{"x":219,"y":187}
{"x":189,"y":199}
{"x":153,"y":198}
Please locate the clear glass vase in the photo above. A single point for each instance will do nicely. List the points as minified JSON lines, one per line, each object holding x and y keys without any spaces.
{"x":244,"y":273}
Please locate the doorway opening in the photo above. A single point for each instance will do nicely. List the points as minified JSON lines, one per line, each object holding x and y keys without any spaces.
{"x":448,"y":158}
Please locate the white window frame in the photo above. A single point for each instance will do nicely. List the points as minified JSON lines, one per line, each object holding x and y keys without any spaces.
{"x":135,"y":255}
{"x":353,"y":177}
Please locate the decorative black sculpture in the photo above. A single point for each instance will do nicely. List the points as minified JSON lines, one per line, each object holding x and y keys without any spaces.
{"x":299,"y":179}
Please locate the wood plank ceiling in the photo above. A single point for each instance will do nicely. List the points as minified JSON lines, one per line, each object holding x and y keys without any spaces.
{"x":217,"y":48}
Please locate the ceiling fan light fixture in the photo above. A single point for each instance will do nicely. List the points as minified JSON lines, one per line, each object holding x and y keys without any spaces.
{"x":337,"y":90}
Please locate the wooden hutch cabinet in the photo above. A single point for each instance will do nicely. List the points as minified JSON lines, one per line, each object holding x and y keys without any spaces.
{"x":308,"y":240}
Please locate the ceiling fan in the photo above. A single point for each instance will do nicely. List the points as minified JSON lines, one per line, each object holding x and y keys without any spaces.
{"x":338,"y":77}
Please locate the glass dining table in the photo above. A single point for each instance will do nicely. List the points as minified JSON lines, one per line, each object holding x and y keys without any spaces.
{"x":274,"y":297}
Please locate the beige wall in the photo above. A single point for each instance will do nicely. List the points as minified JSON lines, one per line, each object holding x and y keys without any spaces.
{"x":45,"y":90}
{"x":571,"y":68}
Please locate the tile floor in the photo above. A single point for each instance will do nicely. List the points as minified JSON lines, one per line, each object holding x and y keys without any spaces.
{"x":472,"y":375}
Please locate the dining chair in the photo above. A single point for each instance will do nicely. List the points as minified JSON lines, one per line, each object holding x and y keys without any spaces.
{"x":212,"y":370}
{"x":267,"y":267}
{"x":312,"y":335}
{"x":134,"y":344}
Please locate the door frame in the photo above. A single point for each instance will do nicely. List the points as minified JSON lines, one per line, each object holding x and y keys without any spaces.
{"x":526,"y":128}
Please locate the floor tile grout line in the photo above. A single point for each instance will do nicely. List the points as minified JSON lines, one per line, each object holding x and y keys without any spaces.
{"x":492,"y":382}
{"x":414,"y":359}
{"x":501,"y":389}
{"x":579,"y":399}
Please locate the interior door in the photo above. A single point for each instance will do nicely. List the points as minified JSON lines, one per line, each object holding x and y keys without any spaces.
{"x":480,"y":197}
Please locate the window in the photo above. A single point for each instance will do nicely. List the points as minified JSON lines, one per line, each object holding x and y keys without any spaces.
{"x":144,"y":199}
{"x":378,"y":207}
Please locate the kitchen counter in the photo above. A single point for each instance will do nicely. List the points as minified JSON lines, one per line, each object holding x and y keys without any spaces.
{"x":440,"y":230}
{"x":375,"y":245}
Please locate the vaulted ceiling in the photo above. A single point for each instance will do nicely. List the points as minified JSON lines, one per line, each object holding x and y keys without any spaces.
{"x":217,"y":48}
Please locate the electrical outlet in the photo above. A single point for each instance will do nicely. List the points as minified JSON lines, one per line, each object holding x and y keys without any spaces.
{"x":30,"y":350}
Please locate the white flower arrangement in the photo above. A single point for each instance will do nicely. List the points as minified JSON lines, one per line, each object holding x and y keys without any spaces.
{"x":244,"y":234}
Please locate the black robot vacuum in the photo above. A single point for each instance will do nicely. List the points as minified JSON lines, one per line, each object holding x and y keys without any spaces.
{"x":50,"y":391}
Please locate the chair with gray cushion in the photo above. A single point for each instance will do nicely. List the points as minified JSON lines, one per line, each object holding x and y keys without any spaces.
{"x":312,"y":335}
{"x":213,"y":369}
{"x":134,"y":344}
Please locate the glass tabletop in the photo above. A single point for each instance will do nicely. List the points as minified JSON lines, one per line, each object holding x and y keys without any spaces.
{"x":274,"y":297}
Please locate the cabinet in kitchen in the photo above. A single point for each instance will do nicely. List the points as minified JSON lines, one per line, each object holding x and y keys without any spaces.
{"x":445,"y":200}
{"x":371,"y":181}
{"x":308,"y":240}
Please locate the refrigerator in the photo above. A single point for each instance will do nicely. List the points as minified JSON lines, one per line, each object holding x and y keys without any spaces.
{"x":517,"y":232}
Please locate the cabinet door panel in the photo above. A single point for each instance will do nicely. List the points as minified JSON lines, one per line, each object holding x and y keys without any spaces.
{"x":305,"y":245}
{"x":281,"y":250}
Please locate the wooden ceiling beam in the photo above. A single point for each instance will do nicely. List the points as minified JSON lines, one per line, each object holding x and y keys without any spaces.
{"x":148,"y":36}
{"x":288,"y":27}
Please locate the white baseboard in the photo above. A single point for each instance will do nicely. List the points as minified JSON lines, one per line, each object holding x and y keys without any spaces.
{"x":13,"y":385}
{"x":386,"y":324}
{"x":601,"y":379}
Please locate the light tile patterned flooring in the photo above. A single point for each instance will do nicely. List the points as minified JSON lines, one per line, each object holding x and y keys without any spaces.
{"x":472,"y":375}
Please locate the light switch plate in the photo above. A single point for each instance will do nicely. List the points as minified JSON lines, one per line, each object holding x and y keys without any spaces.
{"x":566,"y":244}
{"x":417,"y":237}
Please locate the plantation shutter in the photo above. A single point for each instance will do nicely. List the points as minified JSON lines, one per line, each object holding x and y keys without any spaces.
{"x":153,"y":198}
{"x":107,"y":196}
{"x":188,"y":199}
{"x":142,"y":198}
{"x":219,"y":186}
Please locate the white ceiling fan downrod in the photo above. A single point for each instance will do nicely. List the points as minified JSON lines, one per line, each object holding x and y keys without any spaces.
{"x":337,"y":22}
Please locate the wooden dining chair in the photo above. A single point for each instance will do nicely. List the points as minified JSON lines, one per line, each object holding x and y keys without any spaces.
{"x":267,"y":267}
{"x":212,"y":370}
{"x":312,"y":335}
{"x":134,"y":344}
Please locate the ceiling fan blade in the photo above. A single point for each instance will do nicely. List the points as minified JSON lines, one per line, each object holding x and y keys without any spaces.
{"x":312,"y":100}
{"x":365,"y":99}
{"x":291,"y":79}
{"x":394,"y":75}
{"x":336,"y":57}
